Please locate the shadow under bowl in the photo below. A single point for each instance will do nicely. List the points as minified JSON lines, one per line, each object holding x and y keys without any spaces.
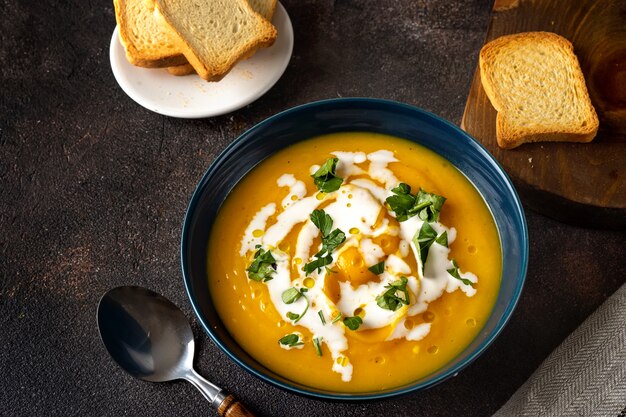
{"x":352,"y":115}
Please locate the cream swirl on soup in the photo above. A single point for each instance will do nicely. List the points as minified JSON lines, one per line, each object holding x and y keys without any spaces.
{"x":353,"y":258}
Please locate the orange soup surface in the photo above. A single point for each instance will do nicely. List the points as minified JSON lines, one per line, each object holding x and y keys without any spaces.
{"x":338,"y":264}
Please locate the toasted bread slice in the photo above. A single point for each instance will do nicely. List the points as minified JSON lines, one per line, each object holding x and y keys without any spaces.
{"x":215,"y":36}
{"x":265,"y":8}
{"x":146,"y":42}
{"x":535,"y":83}
{"x":180,"y":70}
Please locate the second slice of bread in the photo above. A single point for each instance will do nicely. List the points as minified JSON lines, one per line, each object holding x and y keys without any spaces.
{"x":535,"y":83}
{"x":181,"y":70}
{"x":146,"y":42}
{"x":265,"y":8}
{"x":215,"y":35}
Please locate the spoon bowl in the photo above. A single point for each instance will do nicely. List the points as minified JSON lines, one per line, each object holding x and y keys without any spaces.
{"x":150,"y":338}
{"x":146,"y":334}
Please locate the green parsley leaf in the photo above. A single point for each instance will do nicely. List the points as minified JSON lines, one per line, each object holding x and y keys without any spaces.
{"x":389,"y":300}
{"x":325,"y":177}
{"x":322,"y":220}
{"x":330,"y":241}
{"x":401,"y":202}
{"x":290,"y":340}
{"x":322,"y":318}
{"x":317,"y":264}
{"x":262,"y":267}
{"x":293,"y":316}
{"x":353,"y":323}
{"x":430,"y":205}
{"x":442,"y":239}
{"x":291,"y":295}
{"x":455,"y":273}
{"x":377,"y":269}
{"x":402,"y":188}
{"x":317,"y":343}
{"x":425,"y":237}
{"x":405,"y":205}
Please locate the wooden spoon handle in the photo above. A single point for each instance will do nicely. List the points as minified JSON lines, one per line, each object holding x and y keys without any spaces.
{"x":231,"y":407}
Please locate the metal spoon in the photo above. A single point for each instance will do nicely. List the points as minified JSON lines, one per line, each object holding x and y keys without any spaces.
{"x":150,"y":338}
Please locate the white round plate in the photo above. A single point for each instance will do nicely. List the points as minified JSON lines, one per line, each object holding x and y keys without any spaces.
{"x":190,"y":96}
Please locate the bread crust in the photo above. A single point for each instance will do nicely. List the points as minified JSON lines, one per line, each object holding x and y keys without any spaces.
{"x":181,"y":70}
{"x":509,"y":134}
{"x":509,"y":139}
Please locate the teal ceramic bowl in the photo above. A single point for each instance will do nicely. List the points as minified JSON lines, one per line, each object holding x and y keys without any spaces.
{"x":349,"y":115}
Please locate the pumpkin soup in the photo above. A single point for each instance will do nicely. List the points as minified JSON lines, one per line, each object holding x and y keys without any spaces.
{"x":354,"y":262}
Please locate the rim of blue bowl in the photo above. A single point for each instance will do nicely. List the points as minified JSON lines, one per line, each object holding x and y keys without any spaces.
{"x":404,"y":390}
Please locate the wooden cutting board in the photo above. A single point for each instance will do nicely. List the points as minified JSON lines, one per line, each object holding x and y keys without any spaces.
{"x":578,"y":183}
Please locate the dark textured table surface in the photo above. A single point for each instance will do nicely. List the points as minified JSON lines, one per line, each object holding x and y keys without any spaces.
{"x":93,"y":189}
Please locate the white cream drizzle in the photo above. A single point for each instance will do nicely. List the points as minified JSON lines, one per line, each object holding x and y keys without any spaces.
{"x":378,"y":168}
{"x":355,"y":209}
{"x":258,"y":222}
{"x":372,"y":253}
{"x":297,"y":189}
{"x":348,"y":167}
{"x":297,"y":213}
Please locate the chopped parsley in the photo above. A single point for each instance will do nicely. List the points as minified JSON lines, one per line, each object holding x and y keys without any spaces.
{"x":442,"y":239}
{"x":455,"y":273}
{"x":401,"y":202}
{"x":322,"y":221}
{"x":318,"y":264}
{"x":325,"y":177}
{"x":263,"y":266}
{"x":406,"y":205}
{"x":424,"y":239}
{"x":389,"y":300}
{"x":428,"y":205}
{"x":290,"y":340}
{"x":330,"y":241}
{"x":377,"y":269}
{"x":290,"y":296}
{"x":317,"y":344}
{"x":322,"y":318}
{"x":353,"y":323}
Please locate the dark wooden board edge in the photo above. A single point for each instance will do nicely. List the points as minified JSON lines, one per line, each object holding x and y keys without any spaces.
{"x":533,"y":198}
